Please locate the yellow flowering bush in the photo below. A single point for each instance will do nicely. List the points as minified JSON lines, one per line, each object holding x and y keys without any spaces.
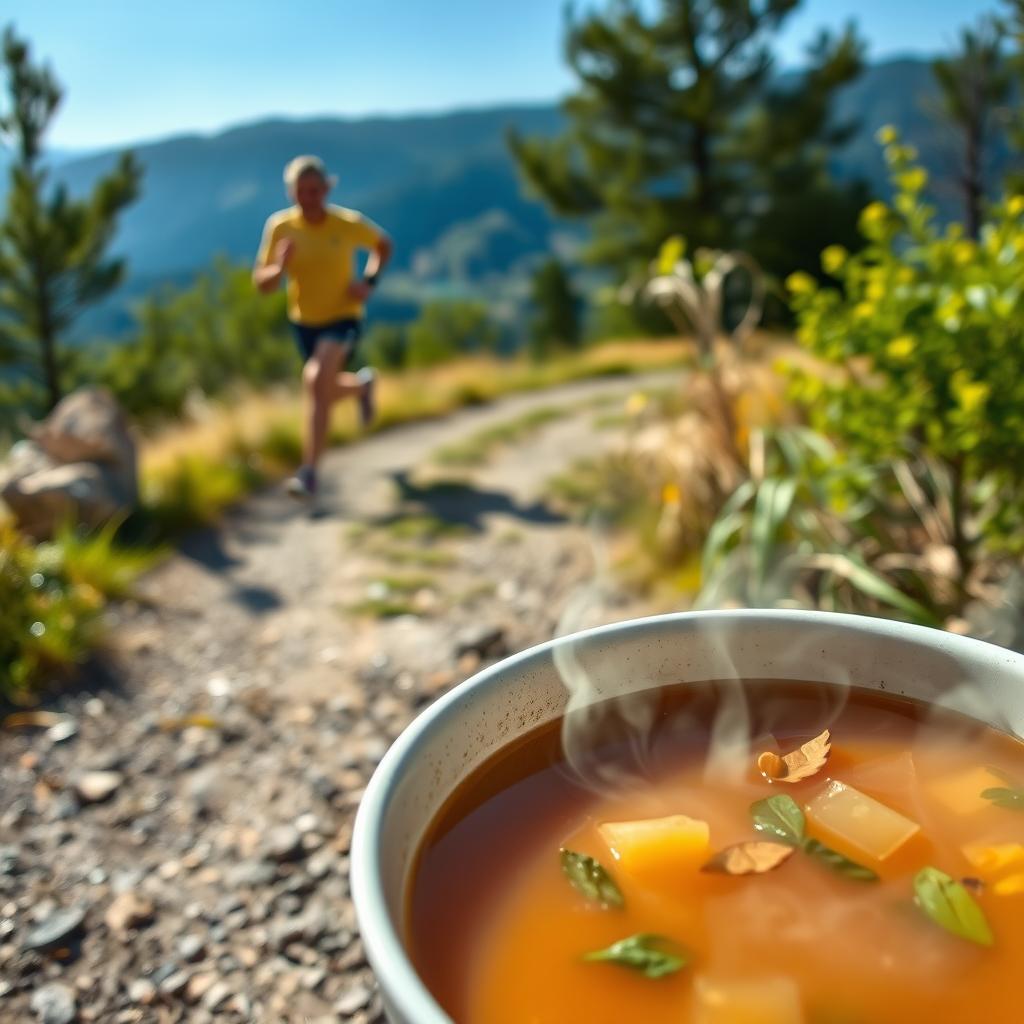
{"x":928,"y":326}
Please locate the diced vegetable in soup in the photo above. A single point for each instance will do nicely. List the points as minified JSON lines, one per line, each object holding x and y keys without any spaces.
{"x":869,"y":871}
{"x":658,"y":851}
{"x":751,"y":1001}
{"x":961,"y":791}
{"x":857,"y":819}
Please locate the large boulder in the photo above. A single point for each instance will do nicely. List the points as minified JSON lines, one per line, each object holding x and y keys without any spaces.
{"x":79,"y":466}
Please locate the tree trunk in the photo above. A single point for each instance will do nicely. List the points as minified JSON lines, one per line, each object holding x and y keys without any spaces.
{"x":51,"y":368}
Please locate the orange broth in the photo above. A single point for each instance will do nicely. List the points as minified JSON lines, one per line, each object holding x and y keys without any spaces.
{"x":498,"y":933}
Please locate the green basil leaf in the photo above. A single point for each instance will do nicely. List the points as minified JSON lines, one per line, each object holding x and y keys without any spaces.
{"x":951,"y":906}
{"x":838,"y":862}
{"x":1010,"y":798}
{"x":781,"y":817}
{"x":642,"y":953}
{"x":590,"y":878}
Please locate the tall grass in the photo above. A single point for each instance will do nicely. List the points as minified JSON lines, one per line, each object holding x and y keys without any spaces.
{"x":52,"y":597}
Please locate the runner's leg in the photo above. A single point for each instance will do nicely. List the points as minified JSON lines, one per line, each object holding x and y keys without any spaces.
{"x":319,"y":378}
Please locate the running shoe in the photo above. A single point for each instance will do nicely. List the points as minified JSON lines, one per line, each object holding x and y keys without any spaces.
{"x":302,"y":485}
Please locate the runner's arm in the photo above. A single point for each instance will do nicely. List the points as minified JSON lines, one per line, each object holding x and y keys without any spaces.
{"x":379,"y":256}
{"x":272,"y":260}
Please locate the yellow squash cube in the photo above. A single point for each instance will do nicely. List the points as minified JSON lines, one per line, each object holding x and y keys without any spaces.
{"x":1011,"y":885}
{"x":750,"y":1001}
{"x":994,"y":858}
{"x":859,"y":820}
{"x":658,"y":851}
{"x":961,"y":792}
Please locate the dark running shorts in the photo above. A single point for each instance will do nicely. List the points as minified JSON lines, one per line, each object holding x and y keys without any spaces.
{"x":348,"y":331}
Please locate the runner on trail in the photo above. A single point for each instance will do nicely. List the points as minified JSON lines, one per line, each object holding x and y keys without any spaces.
{"x":314,"y":245}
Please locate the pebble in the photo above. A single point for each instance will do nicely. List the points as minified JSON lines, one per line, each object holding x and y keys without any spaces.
{"x":483,"y":640}
{"x":313,"y":978}
{"x":307,"y":823}
{"x":95,"y":787}
{"x":217,"y":995}
{"x":198,"y":985}
{"x":174,"y":984}
{"x":353,"y":1000}
{"x":55,"y":930}
{"x":142,"y":991}
{"x":252,"y":874}
{"x":54,"y":1004}
{"x":62,"y":731}
{"x":10,"y":862}
{"x":128,"y":911}
{"x":190,"y":947}
{"x":283,"y":843}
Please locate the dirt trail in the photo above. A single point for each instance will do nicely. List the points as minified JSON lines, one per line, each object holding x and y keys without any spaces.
{"x":252,"y":691}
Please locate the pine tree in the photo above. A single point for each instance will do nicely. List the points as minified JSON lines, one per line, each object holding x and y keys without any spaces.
{"x":681,"y":125}
{"x":53,"y":248}
{"x":556,"y":323}
{"x":975,"y":83}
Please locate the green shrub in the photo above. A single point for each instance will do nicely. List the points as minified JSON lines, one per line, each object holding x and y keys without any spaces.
{"x":51,"y":598}
{"x":927,"y":335}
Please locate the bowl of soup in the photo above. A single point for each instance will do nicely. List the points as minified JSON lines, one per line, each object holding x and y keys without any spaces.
{"x":777,"y":817}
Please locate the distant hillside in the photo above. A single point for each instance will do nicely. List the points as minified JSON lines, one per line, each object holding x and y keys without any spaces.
{"x":443,"y":185}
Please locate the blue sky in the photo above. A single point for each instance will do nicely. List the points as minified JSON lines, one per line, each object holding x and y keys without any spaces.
{"x":138,"y":70}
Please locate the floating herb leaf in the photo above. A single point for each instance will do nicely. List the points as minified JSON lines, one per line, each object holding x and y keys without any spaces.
{"x":951,"y":906}
{"x":590,"y":878}
{"x":781,"y":817}
{"x":641,"y":953}
{"x":807,"y":760}
{"x":838,"y":862}
{"x":1005,"y":796}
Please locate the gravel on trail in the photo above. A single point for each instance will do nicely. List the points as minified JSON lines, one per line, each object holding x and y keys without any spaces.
{"x":182,"y":852}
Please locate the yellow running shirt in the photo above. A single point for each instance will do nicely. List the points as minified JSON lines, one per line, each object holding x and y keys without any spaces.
{"x":322,"y":263}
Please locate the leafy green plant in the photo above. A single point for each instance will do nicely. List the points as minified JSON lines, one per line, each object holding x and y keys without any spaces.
{"x":926,"y":333}
{"x":51,"y":598}
{"x":47,"y":623}
{"x":96,"y":559}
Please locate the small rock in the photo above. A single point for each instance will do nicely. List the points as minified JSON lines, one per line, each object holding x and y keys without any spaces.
{"x":54,"y":1004}
{"x":480,"y":640}
{"x":61,"y":732}
{"x":174,"y":984}
{"x":283,"y":930}
{"x":10,"y":863}
{"x":252,"y":874}
{"x":142,"y":991}
{"x":313,"y":978}
{"x":198,"y":985}
{"x":307,"y":823}
{"x":55,"y":930}
{"x":190,"y":947}
{"x":283,"y":843}
{"x":218,"y":686}
{"x":127,"y":912}
{"x":95,"y":787}
{"x":241,"y":1006}
{"x":247,"y":956}
{"x":63,"y":807}
{"x":353,"y":1000}
{"x":320,"y":865}
{"x":169,"y":869}
{"x":217,"y":995}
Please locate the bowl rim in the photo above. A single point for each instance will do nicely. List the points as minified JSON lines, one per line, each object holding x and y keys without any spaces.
{"x":404,"y":990}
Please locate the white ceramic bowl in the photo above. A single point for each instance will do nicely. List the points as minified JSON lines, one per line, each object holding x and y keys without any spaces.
{"x":466,"y":726}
